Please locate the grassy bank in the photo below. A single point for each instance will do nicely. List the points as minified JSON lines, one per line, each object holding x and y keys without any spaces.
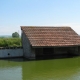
{"x":10,"y":42}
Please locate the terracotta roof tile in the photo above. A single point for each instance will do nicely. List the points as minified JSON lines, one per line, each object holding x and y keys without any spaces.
{"x":51,"y":36}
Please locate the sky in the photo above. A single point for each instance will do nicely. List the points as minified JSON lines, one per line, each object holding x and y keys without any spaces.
{"x":16,"y":13}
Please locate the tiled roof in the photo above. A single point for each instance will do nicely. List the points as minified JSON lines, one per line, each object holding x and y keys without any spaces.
{"x":51,"y":36}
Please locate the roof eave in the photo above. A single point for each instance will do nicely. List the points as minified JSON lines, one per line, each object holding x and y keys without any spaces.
{"x":55,"y":46}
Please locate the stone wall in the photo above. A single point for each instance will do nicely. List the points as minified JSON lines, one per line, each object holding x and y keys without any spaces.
{"x":28,"y":51}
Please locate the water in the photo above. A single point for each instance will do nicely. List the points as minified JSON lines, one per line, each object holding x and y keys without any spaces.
{"x":54,"y":69}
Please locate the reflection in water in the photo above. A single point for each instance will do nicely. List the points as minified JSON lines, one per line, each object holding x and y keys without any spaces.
{"x":55,"y":69}
{"x":11,"y":73}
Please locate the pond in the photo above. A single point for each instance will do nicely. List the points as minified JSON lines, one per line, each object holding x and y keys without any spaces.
{"x":53,"y":69}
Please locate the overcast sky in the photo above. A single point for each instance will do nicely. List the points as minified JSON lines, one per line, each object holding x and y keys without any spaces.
{"x":16,"y":13}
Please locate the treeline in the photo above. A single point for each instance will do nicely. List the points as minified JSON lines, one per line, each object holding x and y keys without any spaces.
{"x":10,"y":42}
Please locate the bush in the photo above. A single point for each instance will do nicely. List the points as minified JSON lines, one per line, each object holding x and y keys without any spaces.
{"x":10,"y":42}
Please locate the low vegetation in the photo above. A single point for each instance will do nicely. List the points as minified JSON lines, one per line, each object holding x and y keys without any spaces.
{"x":10,"y":42}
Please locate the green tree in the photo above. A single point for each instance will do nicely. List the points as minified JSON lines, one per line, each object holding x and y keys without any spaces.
{"x":15,"y":35}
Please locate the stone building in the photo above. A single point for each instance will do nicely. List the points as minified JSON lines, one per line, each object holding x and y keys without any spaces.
{"x":49,"y":41}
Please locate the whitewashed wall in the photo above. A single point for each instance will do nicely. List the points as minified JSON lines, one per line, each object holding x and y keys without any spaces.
{"x":8,"y":53}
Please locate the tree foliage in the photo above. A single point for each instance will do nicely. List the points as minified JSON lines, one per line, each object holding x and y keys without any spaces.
{"x":15,"y":35}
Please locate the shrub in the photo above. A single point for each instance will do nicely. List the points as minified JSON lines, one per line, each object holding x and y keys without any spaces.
{"x":10,"y":42}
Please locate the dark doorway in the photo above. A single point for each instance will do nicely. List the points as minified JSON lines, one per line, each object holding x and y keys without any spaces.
{"x":38,"y":52}
{"x":48,"y":51}
{"x":44,"y":53}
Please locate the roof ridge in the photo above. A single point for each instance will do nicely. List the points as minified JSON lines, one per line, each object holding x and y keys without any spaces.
{"x":45,"y":26}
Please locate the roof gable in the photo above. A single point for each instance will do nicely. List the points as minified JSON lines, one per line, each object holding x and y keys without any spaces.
{"x":51,"y":36}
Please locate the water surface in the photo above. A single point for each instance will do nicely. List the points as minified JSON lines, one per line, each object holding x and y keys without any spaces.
{"x":54,"y":69}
